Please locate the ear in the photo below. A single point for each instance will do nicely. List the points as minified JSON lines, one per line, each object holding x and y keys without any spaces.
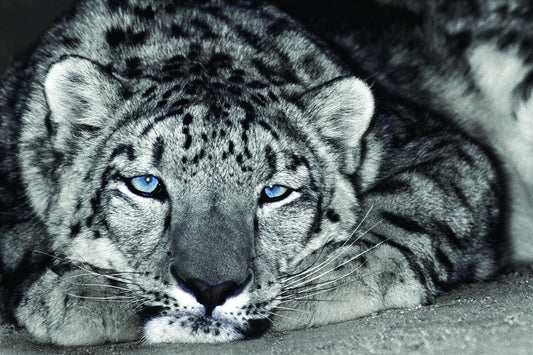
{"x":341,"y":110}
{"x":81,"y":95}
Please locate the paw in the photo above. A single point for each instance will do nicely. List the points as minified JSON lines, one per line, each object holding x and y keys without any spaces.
{"x":71,"y":310}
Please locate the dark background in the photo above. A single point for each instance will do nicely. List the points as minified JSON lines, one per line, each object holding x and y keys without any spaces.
{"x":22,"y":22}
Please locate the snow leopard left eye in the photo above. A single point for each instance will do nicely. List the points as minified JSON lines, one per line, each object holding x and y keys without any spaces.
{"x":145,"y":185}
{"x":275,"y":193}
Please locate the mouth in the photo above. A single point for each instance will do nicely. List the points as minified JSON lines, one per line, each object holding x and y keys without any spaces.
{"x":188,"y":328}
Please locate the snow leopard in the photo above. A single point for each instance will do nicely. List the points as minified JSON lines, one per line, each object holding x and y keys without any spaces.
{"x":216,"y":170}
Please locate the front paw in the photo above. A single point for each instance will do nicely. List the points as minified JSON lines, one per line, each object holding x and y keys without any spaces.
{"x":77,"y":308}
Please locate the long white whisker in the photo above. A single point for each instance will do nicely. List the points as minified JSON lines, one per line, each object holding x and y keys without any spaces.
{"x":104,"y":285}
{"x":292,"y":309}
{"x":313,"y":268}
{"x":340,"y":265}
{"x":275,"y":314}
{"x":285,"y":298}
{"x":304,"y":280}
{"x":312,"y":294}
{"x":110,"y":298}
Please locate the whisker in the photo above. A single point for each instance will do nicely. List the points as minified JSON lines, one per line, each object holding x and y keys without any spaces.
{"x":292,"y":309}
{"x":304,"y":281}
{"x":310,"y":300}
{"x":110,"y":298}
{"x":338,"y":253}
{"x":311,"y":294}
{"x":289,"y":297}
{"x":275,"y":314}
{"x":311,"y":268}
{"x":104,"y":285}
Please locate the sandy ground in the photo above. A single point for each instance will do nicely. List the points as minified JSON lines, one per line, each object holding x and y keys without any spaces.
{"x":484,"y":318}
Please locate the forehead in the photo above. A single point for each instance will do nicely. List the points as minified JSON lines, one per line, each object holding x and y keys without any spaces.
{"x":223,"y":139}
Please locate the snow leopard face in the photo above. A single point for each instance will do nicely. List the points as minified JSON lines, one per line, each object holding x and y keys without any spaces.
{"x":199,"y":210}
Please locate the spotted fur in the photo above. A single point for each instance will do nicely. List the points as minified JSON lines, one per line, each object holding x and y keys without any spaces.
{"x":387,"y":203}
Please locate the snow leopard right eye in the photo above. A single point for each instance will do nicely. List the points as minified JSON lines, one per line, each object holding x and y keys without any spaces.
{"x":275,"y":193}
{"x":145,"y":185}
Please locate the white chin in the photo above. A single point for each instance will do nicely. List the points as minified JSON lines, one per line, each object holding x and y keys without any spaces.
{"x":189,"y":329}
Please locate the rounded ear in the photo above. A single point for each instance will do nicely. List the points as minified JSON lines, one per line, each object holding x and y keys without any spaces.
{"x":80,"y":96}
{"x":341,"y":110}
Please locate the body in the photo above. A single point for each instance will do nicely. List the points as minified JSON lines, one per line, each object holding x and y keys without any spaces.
{"x":207,"y":171}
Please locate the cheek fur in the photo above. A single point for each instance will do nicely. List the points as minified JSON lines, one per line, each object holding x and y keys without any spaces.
{"x":137,"y":224}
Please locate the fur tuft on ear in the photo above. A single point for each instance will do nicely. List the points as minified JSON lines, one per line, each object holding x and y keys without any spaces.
{"x":341,"y":109}
{"x":80,"y":94}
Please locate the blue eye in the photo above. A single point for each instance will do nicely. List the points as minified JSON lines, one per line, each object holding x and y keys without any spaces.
{"x":275,"y":193}
{"x":145,"y":185}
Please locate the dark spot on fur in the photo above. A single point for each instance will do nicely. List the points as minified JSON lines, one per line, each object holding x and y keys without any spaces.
{"x":133,"y":67}
{"x":279,"y":27}
{"x":167,"y":94}
{"x":147,"y":129}
{"x":269,"y":129}
{"x":219,"y":61}
{"x":70,"y":42}
{"x":176,"y":31}
{"x":196,"y":69}
{"x":333,"y":216}
{"x":251,"y":38}
{"x":180,"y":103}
{"x":171,"y":9}
{"x":236,"y":79}
{"x":50,"y":129}
{"x":146,"y":13}
{"x":149,"y":91}
{"x":139,"y":37}
{"x":89,"y":221}
{"x":461,"y":41}
{"x":115,"y":36}
{"x":124,"y":149}
{"x":187,"y":119}
{"x":161,"y":104}
{"x":247,"y":153}
{"x":295,"y":162}
{"x":114,"y":5}
{"x":256,"y":84}
{"x":271,"y":159}
{"x":204,"y":28}
{"x":188,"y":142}
{"x":159,"y":148}
{"x":273,"y":96}
{"x":75,"y":230}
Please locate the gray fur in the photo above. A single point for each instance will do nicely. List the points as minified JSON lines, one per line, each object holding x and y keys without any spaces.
{"x":388,"y":204}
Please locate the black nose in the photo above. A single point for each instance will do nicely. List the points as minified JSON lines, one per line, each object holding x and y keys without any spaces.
{"x":208,"y":294}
